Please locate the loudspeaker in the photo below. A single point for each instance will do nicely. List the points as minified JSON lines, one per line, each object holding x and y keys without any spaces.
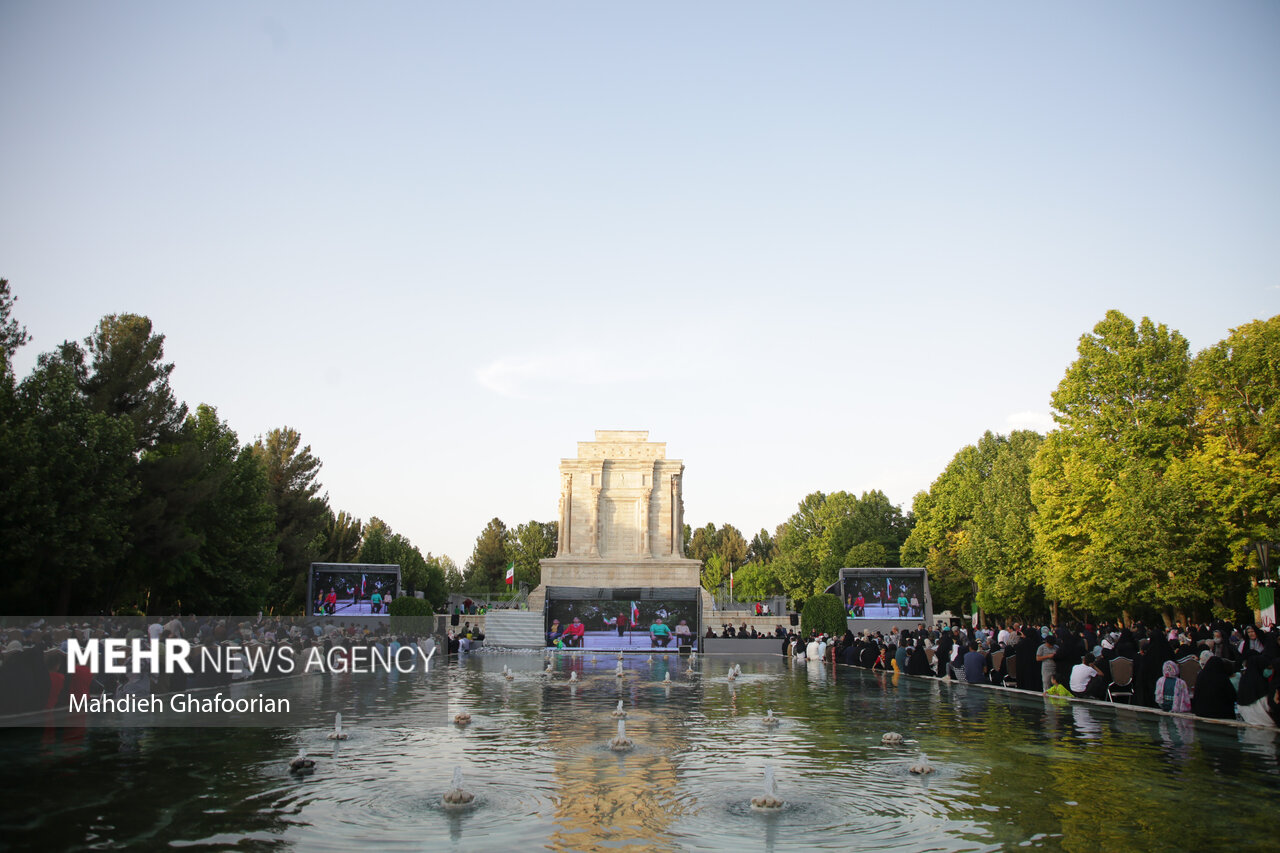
{"x":795,"y":619}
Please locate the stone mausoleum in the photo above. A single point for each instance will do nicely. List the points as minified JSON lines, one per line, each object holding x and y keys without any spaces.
{"x":621,"y":518}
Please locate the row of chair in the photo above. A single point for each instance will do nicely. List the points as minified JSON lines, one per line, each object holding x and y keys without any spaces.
{"x":1120,"y":686}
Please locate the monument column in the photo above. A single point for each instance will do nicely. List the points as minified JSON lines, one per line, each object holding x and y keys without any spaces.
{"x":594,"y":547}
{"x":645,"y":551}
{"x":676,"y":532}
{"x":564,"y":546}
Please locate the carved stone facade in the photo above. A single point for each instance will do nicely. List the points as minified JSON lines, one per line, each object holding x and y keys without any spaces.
{"x":621,"y":517}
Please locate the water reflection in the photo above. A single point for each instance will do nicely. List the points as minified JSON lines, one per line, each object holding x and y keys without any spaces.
{"x":1012,"y":767}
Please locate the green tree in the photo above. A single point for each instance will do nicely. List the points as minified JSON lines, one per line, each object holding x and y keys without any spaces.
{"x":234,"y":559}
{"x":756,"y":581}
{"x":999,"y":548}
{"x":731,"y":546}
{"x":1235,"y":470}
{"x":973,"y":528}
{"x":823,"y":614}
{"x":376,"y":545}
{"x":126,"y":375}
{"x":813,"y":543}
{"x":453,"y":579}
{"x":342,"y":538}
{"x":68,"y":485}
{"x":714,"y":573}
{"x":527,"y":545}
{"x":487,"y":567}
{"x":870,"y":555}
{"x":762,"y":548}
{"x":383,"y":546}
{"x":12,"y":335}
{"x":300,"y":514}
{"x":1124,"y":410}
{"x":702,"y":544}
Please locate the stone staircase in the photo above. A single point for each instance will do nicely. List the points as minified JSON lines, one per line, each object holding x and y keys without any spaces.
{"x":514,"y":629}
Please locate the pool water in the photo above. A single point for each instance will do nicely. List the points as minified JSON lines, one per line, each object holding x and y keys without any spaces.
{"x":1014,"y":770}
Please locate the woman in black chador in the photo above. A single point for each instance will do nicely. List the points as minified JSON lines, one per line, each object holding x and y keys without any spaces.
{"x":1214,"y":696}
{"x":1147,"y":666}
{"x":943,"y":654}
{"x":1028,"y":669}
{"x":917,"y":663}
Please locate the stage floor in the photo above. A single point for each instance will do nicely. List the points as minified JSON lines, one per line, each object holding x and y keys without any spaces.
{"x":350,"y":608}
{"x":631,"y":640}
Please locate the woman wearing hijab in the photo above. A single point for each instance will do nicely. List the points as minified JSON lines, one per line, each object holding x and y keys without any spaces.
{"x":917,"y":663}
{"x":943,"y":654}
{"x":1214,"y":696}
{"x":1028,"y":670}
{"x":1148,"y":667}
{"x":1254,"y":696}
{"x":1171,"y":692}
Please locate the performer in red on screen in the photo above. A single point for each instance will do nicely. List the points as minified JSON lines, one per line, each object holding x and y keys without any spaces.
{"x":622,"y":623}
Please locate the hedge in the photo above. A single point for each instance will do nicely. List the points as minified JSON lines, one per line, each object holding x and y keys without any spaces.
{"x":823,"y":613}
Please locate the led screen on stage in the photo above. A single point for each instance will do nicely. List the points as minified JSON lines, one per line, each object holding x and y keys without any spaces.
{"x":884,"y":595}
{"x":352,"y":589}
{"x":621,"y":619}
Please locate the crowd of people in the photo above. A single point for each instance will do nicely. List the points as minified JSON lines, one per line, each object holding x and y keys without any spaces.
{"x":746,"y":632}
{"x":33,"y":660}
{"x":1218,"y":671}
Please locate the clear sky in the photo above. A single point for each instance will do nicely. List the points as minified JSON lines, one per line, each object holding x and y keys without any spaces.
{"x":808,"y":245}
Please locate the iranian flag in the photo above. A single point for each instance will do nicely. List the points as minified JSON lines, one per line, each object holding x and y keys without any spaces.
{"x":1267,"y":604}
{"x":511,"y":573}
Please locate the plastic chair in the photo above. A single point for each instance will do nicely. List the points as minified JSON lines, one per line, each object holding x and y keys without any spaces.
{"x":1121,"y":680}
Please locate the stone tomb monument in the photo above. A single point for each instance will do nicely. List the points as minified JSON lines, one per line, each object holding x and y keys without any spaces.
{"x":621,"y":518}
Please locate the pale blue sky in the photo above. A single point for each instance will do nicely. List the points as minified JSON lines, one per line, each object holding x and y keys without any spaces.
{"x":809,"y":246}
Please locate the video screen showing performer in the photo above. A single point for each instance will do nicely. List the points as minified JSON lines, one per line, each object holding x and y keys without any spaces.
{"x":359,"y":593}
{"x":621,"y":625}
{"x":887,"y":596}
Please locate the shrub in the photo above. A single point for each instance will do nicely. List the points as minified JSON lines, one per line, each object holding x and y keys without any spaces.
{"x":823,"y":613}
{"x":411,"y":615}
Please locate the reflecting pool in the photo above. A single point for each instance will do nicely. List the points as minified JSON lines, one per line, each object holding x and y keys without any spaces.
{"x":1012,"y":770}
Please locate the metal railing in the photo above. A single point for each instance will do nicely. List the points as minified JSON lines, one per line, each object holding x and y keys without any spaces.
{"x":503,"y":599}
{"x":725,"y":602}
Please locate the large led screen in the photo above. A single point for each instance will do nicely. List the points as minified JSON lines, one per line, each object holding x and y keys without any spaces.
{"x":887,"y":595}
{"x":622,"y":619}
{"x":353,"y":589}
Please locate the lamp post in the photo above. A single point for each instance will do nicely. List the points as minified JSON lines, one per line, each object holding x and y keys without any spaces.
{"x":1266,"y":582}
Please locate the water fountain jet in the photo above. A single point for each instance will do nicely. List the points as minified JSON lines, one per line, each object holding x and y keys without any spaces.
{"x":456,"y":797}
{"x":337,"y":733}
{"x":618,"y":713}
{"x":301,"y":765}
{"x":922,"y":766}
{"x":769,"y":800}
{"x":622,"y":743}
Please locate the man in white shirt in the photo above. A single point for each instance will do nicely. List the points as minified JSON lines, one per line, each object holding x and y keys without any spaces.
{"x":1081,"y":674}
